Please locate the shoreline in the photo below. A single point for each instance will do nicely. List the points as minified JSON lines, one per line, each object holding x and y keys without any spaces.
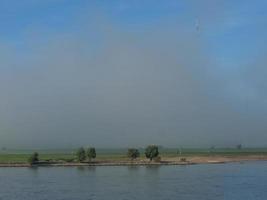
{"x":194,"y":160}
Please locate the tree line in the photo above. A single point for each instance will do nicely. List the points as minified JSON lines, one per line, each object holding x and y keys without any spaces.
{"x":151,"y":152}
{"x":82,"y":154}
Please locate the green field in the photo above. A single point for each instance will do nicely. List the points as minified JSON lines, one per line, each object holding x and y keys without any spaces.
{"x":21,"y":156}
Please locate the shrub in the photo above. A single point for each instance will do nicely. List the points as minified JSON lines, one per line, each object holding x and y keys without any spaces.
{"x":151,"y":152}
{"x":133,"y":153}
{"x":81,"y":154}
{"x":91,"y":153}
{"x":34,"y":158}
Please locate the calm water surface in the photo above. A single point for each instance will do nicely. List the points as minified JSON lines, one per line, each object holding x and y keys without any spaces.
{"x":247,"y":181}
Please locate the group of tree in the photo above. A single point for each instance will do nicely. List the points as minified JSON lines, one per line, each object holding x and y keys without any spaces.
{"x":133,"y":153}
{"x":151,"y":152}
{"x":90,"y":153}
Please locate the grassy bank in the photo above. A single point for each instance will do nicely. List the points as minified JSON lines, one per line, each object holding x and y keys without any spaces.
{"x":21,"y":156}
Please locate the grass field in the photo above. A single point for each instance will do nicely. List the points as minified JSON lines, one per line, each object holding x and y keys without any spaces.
{"x":21,"y":156}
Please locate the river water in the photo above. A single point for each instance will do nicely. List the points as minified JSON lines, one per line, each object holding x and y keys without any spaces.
{"x":232,"y":181}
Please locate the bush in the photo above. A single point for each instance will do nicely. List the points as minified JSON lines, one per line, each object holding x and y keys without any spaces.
{"x":34,"y":158}
{"x":91,"y":153}
{"x":81,"y":154}
{"x":151,"y":152}
{"x":133,"y":153}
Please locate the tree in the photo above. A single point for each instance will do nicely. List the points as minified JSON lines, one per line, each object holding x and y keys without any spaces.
{"x":81,"y":154}
{"x":91,"y":153}
{"x":133,"y":153}
{"x":239,"y":146}
{"x":151,"y":152}
{"x":34,"y":158}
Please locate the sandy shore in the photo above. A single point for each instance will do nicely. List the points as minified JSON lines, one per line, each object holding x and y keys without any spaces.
{"x":165,"y":161}
{"x":220,"y":159}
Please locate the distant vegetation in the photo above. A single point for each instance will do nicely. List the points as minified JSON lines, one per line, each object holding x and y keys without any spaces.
{"x":81,"y":156}
{"x":91,"y":153}
{"x":34,"y":158}
{"x":133,"y":153}
{"x":151,"y":152}
{"x":85,"y":155}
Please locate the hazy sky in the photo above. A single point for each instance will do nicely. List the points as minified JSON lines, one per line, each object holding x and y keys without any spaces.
{"x":130,"y":73}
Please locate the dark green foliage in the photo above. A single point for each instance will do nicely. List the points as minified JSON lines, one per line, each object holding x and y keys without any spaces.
{"x":151,"y":152}
{"x":81,"y":154}
{"x":133,"y":153}
{"x":34,"y":158}
{"x":239,"y":147}
{"x":91,"y":153}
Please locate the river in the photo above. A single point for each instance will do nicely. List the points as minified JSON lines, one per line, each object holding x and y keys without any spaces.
{"x":232,"y":181}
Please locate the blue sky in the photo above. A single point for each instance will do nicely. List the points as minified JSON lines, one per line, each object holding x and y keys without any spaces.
{"x":232,"y":29}
{"x":193,"y":71}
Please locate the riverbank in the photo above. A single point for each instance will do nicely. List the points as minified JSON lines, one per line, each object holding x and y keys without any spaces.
{"x":190,"y":160}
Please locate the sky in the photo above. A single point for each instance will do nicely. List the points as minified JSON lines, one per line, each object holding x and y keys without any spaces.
{"x":125,"y":73}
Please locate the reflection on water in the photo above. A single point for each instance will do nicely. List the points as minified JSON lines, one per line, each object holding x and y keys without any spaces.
{"x":81,"y":168}
{"x":33,"y":171}
{"x":202,"y":182}
{"x":133,"y":167}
